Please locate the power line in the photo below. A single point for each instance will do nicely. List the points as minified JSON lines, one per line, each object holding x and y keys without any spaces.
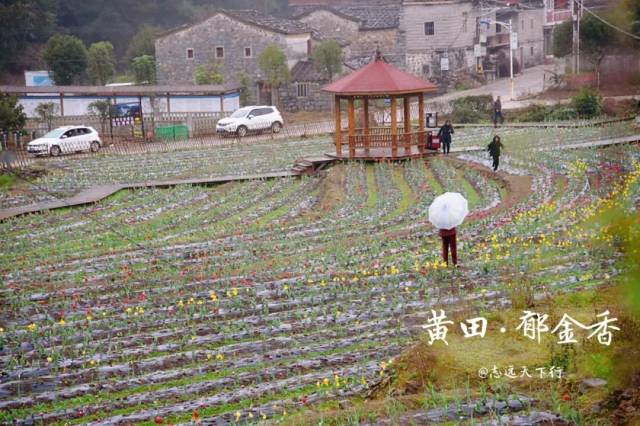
{"x":607,"y":22}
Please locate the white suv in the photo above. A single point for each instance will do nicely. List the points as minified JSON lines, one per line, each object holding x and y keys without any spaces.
{"x":251,"y":118}
{"x":66,"y":139}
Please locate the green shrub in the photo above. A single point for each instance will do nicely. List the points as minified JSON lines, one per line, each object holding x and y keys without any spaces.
{"x":533,"y":113}
{"x":562,"y":113}
{"x":587,"y":103}
{"x":7,"y":182}
{"x":472,"y":109}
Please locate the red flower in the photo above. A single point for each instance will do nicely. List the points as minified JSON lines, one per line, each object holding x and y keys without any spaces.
{"x":195,"y":414}
{"x":566,"y":396}
{"x":159,"y":420}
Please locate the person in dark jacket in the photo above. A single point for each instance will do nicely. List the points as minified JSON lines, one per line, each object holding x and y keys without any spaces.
{"x":449,"y":243}
{"x":494,"y":151}
{"x":497,"y":112}
{"x":445,"y":136}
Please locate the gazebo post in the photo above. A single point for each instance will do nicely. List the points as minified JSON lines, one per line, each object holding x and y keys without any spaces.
{"x":407,"y":122}
{"x":365,"y":107}
{"x":394,"y":127}
{"x":352,"y":127}
{"x":421,"y":132}
{"x":338,"y":127}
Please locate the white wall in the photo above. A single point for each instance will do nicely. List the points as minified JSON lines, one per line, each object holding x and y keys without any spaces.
{"x":77,"y":105}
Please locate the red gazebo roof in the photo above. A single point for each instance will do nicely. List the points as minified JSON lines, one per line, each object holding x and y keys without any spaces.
{"x":379,"y":78}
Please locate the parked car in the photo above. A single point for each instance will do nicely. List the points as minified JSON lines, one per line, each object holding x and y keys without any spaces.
{"x":66,"y":139}
{"x":251,"y":119}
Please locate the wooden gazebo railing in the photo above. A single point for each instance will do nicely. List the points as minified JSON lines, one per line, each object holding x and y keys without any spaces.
{"x":381,"y":137}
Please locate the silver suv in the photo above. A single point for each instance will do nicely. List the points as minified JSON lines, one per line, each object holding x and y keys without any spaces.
{"x":251,"y":118}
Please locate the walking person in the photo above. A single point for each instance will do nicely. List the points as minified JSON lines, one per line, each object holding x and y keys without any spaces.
{"x":445,"y":136}
{"x":494,"y":149}
{"x":497,"y":112}
{"x":449,"y":243}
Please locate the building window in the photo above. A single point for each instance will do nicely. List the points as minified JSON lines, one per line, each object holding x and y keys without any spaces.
{"x":190,"y":53}
{"x":426,"y":70}
{"x":522,"y":25}
{"x":219,"y":52}
{"x":247,"y":52}
{"x":531,"y":24}
{"x":498,"y":28}
{"x":303,"y":89}
{"x":531,"y":50}
{"x":465,"y":17}
{"x":429,"y":28}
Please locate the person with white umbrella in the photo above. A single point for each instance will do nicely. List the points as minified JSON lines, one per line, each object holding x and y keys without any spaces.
{"x":446,"y":213}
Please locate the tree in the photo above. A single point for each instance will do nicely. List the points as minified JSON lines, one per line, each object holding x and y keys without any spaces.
{"x":144,"y":69}
{"x":209,"y":74}
{"x":142,"y":43}
{"x":596,"y":39}
{"x":47,"y":111}
{"x":66,"y":57}
{"x":273,"y":64}
{"x":327,"y":58}
{"x":245,"y":82}
{"x":12,"y":115}
{"x":100,"y":109}
{"x":23,"y":22}
{"x":562,"y":39}
{"x":101,"y":62}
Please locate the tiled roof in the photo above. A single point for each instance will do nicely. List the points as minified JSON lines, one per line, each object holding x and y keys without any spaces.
{"x":306,"y":71}
{"x":320,"y":36}
{"x":370,"y":17}
{"x":280,"y":25}
{"x":379,"y":78}
{"x":252,"y":17}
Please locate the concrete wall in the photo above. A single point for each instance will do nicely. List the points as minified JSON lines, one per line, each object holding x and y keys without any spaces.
{"x":529,"y":26}
{"x":454,"y":35}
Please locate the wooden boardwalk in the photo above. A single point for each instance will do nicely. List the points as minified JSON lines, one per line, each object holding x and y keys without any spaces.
{"x":97,"y":193}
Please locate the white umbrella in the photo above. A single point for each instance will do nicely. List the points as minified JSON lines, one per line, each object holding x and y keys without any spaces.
{"x":448,"y":210}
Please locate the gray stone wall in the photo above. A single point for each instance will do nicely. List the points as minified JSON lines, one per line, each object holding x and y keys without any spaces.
{"x":316,"y":100}
{"x":361,"y":42}
{"x":330,"y":24}
{"x":173,"y":66}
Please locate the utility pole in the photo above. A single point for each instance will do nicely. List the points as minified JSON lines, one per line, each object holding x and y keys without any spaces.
{"x":579,"y":15}
{"x":511,"y":48}
{"x":575,"y":46}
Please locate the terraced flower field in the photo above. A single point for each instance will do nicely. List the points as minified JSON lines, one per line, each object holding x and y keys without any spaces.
{"x":248,"y":301}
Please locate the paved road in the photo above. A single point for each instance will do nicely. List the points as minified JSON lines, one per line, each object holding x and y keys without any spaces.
{"x":530,"y":82}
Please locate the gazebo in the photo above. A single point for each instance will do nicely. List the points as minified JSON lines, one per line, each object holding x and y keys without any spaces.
{"x":380,"y":80}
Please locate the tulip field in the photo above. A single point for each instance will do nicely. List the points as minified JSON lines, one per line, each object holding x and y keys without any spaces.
{"x":249,"y":301}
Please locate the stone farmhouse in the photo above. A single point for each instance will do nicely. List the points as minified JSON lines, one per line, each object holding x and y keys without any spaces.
{"x":360,"y":28}
{"x":232,"y":39}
